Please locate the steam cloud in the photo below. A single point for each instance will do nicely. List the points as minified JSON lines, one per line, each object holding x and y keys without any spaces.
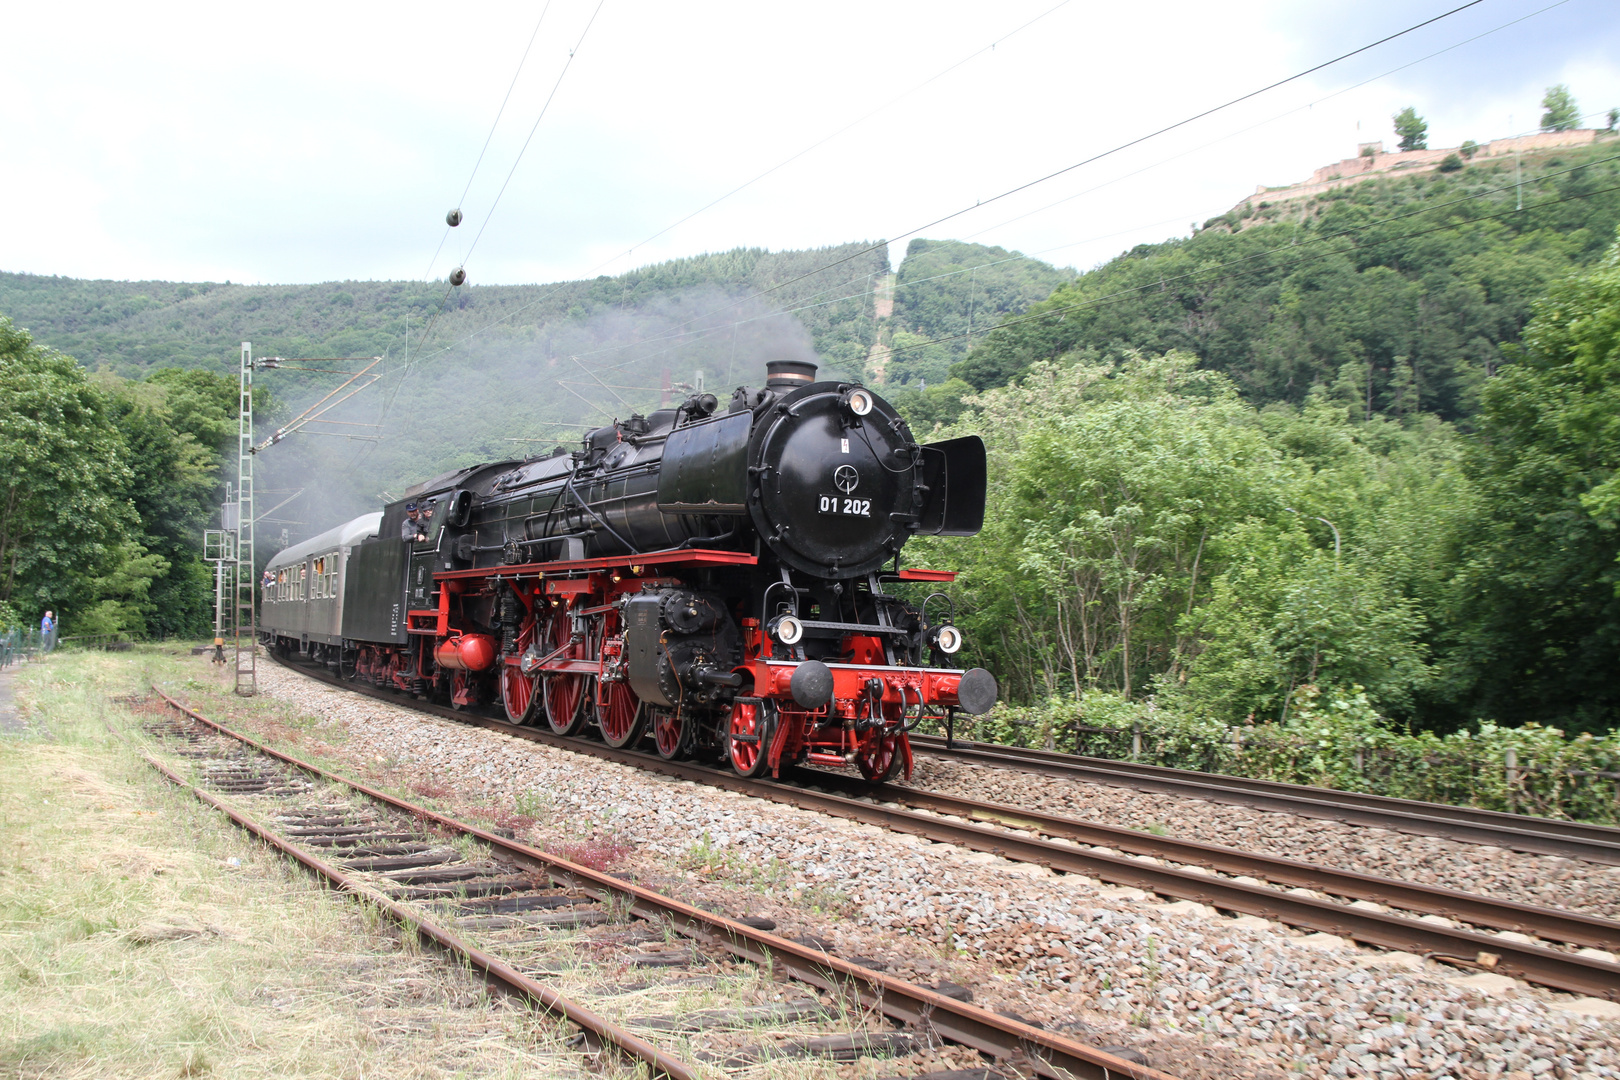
{"x":541,"y":383}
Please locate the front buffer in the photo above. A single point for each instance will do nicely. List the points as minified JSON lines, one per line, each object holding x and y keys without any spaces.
{"x":837,"y":715}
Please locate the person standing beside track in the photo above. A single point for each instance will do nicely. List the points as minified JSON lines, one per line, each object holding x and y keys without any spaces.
{"x":47,"y":632}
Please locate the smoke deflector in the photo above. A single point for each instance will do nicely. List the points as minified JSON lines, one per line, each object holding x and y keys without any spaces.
{"x":955,"y":473}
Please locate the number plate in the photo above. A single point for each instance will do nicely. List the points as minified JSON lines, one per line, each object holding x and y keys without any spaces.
{"x":844,"y":506}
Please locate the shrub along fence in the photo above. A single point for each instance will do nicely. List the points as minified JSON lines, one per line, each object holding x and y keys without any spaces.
{"x":1334,"y":740}
{"x":22,"y":643}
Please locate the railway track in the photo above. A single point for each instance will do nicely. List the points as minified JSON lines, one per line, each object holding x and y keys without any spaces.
{"x":1128,"y":857}
{"x":1518,"y":832}
{"x":443,"y":878}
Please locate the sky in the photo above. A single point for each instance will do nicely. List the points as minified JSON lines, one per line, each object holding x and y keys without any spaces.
{"x":303,"y":142}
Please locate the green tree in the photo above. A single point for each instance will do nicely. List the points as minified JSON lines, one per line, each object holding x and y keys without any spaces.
{"x":1412,"y":129}
{"x":1561,"y":114}
{"x":175,"y":424}
{"x":1107,"y":484}
{"x":1286,"y":614}
{"x":1533,"y":612}
{"x":926,"y":408}
{"x":946,"y":289}
{"x":64,"y":519}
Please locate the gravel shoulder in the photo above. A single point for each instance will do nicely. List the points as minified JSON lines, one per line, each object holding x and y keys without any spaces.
{"x":1200,"y":994}
{"x":1591,"y":888}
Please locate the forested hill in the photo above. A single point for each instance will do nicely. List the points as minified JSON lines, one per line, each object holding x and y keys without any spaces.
{"x":944,"y":293}
{"x":130,"y":327}
{"x":1394,"y":293}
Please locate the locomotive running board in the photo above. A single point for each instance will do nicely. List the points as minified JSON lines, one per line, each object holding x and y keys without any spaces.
{"x":669,"y":557}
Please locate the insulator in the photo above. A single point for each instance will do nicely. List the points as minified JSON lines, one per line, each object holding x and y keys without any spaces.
{"x":453,"y":218}
{"x":458,"y":276}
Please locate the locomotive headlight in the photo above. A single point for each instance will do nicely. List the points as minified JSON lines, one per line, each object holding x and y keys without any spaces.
{"x":859,"y":401}
{"x":947,"y":639}
{"x":786,"y":629}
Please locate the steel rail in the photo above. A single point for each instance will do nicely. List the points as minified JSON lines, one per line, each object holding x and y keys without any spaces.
{"x":1048,"y":1053}
{"x":1534,"y":963}
{"x":1520,"y":832}
{"x":497,"y":970}
{"x":1558,"y":924}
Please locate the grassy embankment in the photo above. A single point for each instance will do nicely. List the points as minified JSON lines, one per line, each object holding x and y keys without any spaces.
{"x":142,"y":935}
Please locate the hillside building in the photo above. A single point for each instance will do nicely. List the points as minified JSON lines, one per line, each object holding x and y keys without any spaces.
{"x":1372,"y":161}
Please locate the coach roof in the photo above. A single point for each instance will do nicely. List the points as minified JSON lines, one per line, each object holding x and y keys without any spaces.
{"x":346,"y":535}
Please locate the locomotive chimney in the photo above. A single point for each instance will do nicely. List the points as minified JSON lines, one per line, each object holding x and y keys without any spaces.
{"x":785,"y":375}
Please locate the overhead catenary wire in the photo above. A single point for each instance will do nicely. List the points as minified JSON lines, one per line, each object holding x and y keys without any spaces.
{"x":524,"y":59}
{"x":775,"y":168}
{"x":828,"y":138}
{"x":561,"y":75}
{"x":1026,"y":186}
{"x":966,"y":269}
{"x":1043,"y":179}
{"x":1226,"y":269}
{"x":1160,"y":283}
{"x":1116,"y":149}
{"x":1271,"y":120}
{"x":427,"y":331}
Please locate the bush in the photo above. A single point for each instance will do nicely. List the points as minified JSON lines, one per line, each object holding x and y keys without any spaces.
{"x":1333,"y":738}
{"x":1450,"y":163}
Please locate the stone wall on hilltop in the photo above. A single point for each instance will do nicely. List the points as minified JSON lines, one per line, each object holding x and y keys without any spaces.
{"x":1355,"y":170}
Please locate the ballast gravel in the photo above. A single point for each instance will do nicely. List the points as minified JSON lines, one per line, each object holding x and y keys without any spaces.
{"x":1489,"y":871}
{"x":1200,"y":994}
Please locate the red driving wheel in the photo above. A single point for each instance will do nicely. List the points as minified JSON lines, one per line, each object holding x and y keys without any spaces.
{"x":749,"y":729}
{"x":620,"y":715}
{"x":565,"y":694}
{"x":672,"y":732}
{"x":520,"y":693}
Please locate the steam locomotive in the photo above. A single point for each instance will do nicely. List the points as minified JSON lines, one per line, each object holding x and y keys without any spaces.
{"x":714,"y":578}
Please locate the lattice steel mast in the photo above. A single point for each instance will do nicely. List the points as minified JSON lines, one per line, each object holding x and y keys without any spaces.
{"x":245,"y":624}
